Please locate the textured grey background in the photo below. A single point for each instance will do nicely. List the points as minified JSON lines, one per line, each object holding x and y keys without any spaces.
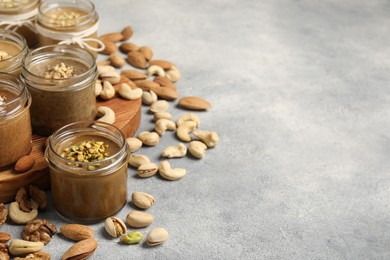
{"x":301,"y":102}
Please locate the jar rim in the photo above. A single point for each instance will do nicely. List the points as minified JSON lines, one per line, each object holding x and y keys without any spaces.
{"x":29,"y":5}
{"x":16,"y":38}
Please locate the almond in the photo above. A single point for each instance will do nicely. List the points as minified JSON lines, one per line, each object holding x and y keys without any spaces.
{"x":164,"y":82}
{"x":81,"y":250}
{"x":127,"y":47}
{"x":133,"y":74}
{"x":166,"y":65}
{"x":112,"y":37}
{"x":25,"y":163}
{"x":147,"y":52}
{"x":146,"y":84}
{"x":103,"y":63}
{"x":137,"y":59}
{"x":117,"y":60}
{"x":77,"y":232}
{"x":127,"y":32}
{"x":165,"y":93}
{"x":110,"y":47}
{"x":194,"y":103}
{"x":4,"y":237}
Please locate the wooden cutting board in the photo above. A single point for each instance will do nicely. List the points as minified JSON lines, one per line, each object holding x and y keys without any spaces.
{"x":128,"y":117}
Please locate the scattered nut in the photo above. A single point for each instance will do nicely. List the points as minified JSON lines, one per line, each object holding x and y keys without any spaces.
{"x":81,"y":250}
{"x":139,"y":219}
{"x":4,"y":237}
{"x":147,"y":170}
{"x":173,"y":74}
{"x":127,"y":47}
{"x":112,"y":37}
{"x":20,"y":217}
{"x":111,"y":76}
{"x":164,"y":124}
{"x":149,"y":138}
{"x":98,"y":87}
{"x":3,"y":214}
{"x":25,"y":163}
{"x":147,"y":84}
{"x":168,"y":173}
{"x":23,"y":199}
{"x":21,"y":247}
{"x":157,"y":236}
{"x":127,"y":32}
{"x":132,"y":238}
{"x":148,"y":97}
{"x":194,"y":103}
{"x":115,"y":226}
{"x":134,"y":144}
{"x":38,"y":196}
{"x":134,"y":74}
{"x":162,"y":115}
{"x":159,"y":106}
{"x":210,"y":138}
{"x":137,"y":59}
{"x":164,"y":82}
{"x":135,"y":160}
{"x":197,"y":149}
{"x":117,"y":60}
{"x":175,"y":151}
{"x":35,"y":256}
{"x":166,"y":65}
{"x":147,"y":52}
{"x":77,"y":232}
{"x":109,"y":47}
{"x":108,"y":91}
{"x":126,"y":92}
{"x":183,"y":130}
{"x":106,"y":114}
{"x":142,"y":200}
{"x":155,"y":70}
{"x":39,"y":230}
{"x":104,"y":69}
{"x":188,"y":117}
{"x":4,"y":255}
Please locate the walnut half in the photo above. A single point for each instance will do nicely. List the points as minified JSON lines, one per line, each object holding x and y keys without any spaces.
{"x":3,"y":214}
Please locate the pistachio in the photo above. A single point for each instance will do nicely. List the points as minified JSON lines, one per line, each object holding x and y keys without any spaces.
{"x":157,"y":236}
{"x":135,"y":160}
{"x":147,"y":170}
{"x":175,"y":151}
{"x":134,"y":144}
{"x":81,"y":250}
{"x":149,"y":138}
{"x":21,"y":247}
{"x":131,"y":238}
{"x":139,"y":219}
{"x":168,"y":173}
{"x":142,"y":200}
{"x":87,"y":151}
{"x":115,"y":226}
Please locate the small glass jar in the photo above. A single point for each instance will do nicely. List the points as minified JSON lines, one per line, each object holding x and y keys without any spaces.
{"x":69,"y":22}
{"x":15,"y":127}
{"x":83,"y":189}
{"x":61,"y":101}
{"x":19,"y":16}
{"x":13,"y":48}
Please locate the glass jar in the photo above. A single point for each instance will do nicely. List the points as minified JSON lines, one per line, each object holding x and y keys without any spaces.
{"x":69,"y":22}
{"x":13,"y":48}
{"x":60,"y":101}
{"x":15,"y":127}
{"x":19,"y":16}
{"x":83,"y":189}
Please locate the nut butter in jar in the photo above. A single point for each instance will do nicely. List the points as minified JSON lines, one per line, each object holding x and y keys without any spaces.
{"x":88,"y":170}
{"x":69,"y":22}
{"x":19,"y":16}
{"x":15,"y":127}
{"x":13,"y":49}
{"x":61,"y":80}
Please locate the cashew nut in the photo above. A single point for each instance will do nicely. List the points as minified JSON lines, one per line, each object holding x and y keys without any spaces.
{"x":155,"y":70}
{"x":149,"y":97}
{"x":173,"y":74}
{"x":105,"y":68}
{"x":159,"y":106}
{"x":210,"y":138}
{"x":106,"y":114}
{"x":149,"y":138}
{"x":168,"y":173}
{"x":98,"y":87}
{"x":133,"y":143}
{"x":188,"y":117}
{"x":126,"y":92}
{"x":183,"y":130}
{"x":108,"y":91}
{"x":175,"y":151}
{"x":160,"y":115}
{"x":110,"y":76}
{"x":197,"y":149}
{"x":164,"y":124}
{"x":136,"y":160}
{"x":20,"y":217}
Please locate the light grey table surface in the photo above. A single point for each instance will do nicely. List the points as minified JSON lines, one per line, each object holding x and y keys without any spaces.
{"x":301,"y":103}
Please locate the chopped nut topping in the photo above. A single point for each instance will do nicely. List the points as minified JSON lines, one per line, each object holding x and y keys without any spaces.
{"x":3,"y":55}
{"x":65,"y":18}
{"x":59,"y":71}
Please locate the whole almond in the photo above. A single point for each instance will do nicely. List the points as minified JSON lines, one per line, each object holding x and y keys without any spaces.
{"x":146,"y":84}
{"x":165,"y":93}
{"x":117,"y":60}
{"x":147,"y":52}
{"x":110,"y":47}
{"x":4,"y":237}
{"x":166,"y":65}
{"x":103,"y":63}
{"x":81,"y":250}
{"x":194,"y":103}
{"x":127,"y":32}
{"x":137,"y":59}
{"x":164,"y":82}
{"x":127,"y":47}
{"x":134,"y":74}
{"x":25,"y":163}
{"x":112,"y":37}
{"x":77,"y":232}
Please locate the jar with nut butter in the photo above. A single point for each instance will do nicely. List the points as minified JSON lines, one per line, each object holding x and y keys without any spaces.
{"x":15,"y":127}
{"x":88,"y":170}
{"x":13,"y":49}
{"x":19,"y":16}
{"x":61,"y":80}
{"x":69,"y":22}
